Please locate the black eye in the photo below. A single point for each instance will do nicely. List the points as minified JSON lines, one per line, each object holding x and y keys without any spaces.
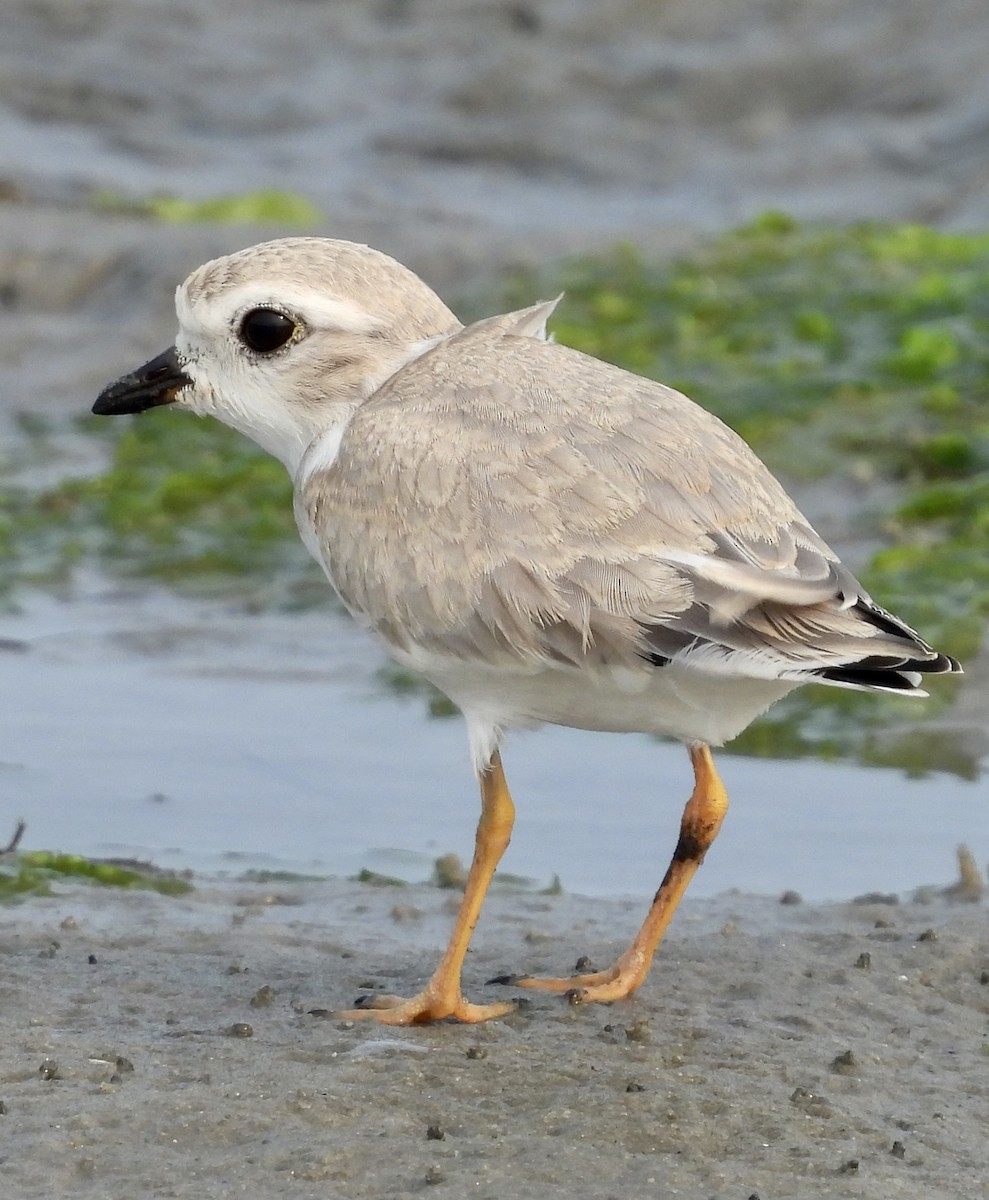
{"x":264,"y":330}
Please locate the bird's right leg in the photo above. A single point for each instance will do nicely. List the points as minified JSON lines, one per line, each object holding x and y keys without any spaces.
{"x":699,"y":826}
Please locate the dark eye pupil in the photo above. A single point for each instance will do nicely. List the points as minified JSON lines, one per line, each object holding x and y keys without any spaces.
{"x":264,"y":330}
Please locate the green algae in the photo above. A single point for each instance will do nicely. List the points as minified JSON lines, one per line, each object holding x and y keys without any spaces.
{"x":33,"y":873}
{"x":183,"y":502}
{"x":265,"y":206}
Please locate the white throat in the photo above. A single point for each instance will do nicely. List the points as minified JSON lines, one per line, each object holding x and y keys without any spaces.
{"x":243,"y":401}
{"x":289,"y":431}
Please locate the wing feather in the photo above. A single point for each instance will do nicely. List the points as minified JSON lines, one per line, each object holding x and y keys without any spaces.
{"x":505,"y":496}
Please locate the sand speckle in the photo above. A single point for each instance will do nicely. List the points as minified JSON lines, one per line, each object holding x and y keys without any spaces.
{"x":739,"y":1064}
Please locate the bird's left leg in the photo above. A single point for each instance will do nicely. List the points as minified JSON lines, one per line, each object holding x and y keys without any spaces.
{"x":442,"y":997}
{"x":702,"y":818}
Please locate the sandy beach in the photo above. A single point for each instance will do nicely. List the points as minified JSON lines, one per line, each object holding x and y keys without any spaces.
{"x":183,"y":1047}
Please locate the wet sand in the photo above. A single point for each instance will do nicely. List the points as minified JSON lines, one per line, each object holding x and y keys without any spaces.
{"x":169,"y":1047}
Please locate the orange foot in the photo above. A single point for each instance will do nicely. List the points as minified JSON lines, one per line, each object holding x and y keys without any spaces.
{"x":699,"y":825}
{"x":595,"y":987}
{"x":425,"y":1007}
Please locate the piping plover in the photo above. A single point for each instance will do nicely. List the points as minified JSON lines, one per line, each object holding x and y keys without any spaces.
{"x":546,"y":537}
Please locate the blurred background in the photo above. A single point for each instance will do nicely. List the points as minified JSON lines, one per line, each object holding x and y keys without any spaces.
{"x":800,"y":193}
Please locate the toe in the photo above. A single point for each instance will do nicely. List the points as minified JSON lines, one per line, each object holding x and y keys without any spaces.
{"x":422,"y":1009}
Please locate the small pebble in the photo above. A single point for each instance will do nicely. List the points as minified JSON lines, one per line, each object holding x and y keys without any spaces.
{"x":633,"y":1086}
{"x":524,"y":19}
{"x":239,"y":1029}
{"x":898,"y":1150}
{"x":3,"y":1109}
{"x":406,"y":912}
{"x":263,"y":997}
{"x":450,"y":872}
{"x":864,"y":961}
{"x":984,"y":977}
{"x":69,"y":923}
{"x":810,"y":1103}
{"x":48,"y":1069}
{"x":434,"y":1175}
{"x":845,"y":1064}
{"x":791,"y":897}
{"x":476,"y":1052}
{"x":849,"y":1168}
{"x":927,"y":936}
{"x":92,"y":959}
{"x":970,"y":886}
{"x":584,"y":966}
{"x":435,"y":1133}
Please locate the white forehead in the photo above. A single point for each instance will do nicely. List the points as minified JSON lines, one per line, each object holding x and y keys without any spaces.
{"x":210,"y":314}
{"x":325,"y":283}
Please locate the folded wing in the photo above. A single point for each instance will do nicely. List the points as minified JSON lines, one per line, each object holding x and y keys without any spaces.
{"x":548,"y":507}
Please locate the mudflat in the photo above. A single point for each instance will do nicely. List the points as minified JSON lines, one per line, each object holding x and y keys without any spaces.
{"x":156,"y":1046}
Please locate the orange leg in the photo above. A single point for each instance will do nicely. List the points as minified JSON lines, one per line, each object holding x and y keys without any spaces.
{"x":441,"y":997}
{"x":702,"y":817}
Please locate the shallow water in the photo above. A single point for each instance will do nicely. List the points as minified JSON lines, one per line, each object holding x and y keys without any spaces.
{"x":151,"y":726}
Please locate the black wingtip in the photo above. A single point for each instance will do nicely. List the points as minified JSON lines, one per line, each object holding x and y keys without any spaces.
{"x":892,"y":675}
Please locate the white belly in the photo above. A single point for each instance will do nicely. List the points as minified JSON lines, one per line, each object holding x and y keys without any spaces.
{"x":676,"y":701}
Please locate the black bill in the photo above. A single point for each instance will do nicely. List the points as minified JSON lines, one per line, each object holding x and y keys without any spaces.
{"x":157,"y":382}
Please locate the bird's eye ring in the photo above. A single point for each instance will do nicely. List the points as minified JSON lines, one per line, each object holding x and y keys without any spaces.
{"x":265,"y":330}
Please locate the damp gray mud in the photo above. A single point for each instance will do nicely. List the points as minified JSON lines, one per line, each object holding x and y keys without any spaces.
{"x":184,"y":1047}
{"x":788,"y":1052}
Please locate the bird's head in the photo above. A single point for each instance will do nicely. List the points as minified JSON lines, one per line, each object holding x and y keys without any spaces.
{"x":283,"y":340}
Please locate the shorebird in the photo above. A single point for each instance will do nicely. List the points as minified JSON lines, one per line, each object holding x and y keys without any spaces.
{"x":545,"y":537}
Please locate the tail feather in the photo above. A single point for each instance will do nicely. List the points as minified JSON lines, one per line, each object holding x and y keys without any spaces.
{"x":884,"y":672}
